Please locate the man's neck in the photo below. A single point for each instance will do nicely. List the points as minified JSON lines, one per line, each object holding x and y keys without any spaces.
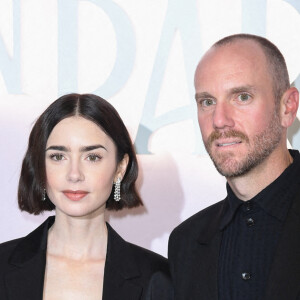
{"x":249,"y":185}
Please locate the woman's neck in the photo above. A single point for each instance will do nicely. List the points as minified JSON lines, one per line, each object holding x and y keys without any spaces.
{"x":78,"y":238}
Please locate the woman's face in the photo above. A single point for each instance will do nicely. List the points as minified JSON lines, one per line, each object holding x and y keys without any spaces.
{"x":81,"y":167}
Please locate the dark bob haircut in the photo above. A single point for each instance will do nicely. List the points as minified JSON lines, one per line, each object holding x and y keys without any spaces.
{"x":91,"y":107}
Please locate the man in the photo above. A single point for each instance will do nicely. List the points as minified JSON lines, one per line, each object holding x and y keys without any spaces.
{"x":248,"y":245}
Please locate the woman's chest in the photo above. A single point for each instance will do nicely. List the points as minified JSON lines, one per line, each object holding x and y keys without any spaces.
{"x":67,"y":279}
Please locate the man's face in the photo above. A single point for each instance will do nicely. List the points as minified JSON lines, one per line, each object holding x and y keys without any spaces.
{"x":238,"y":118}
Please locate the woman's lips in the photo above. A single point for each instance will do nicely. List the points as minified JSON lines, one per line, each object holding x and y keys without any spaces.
{"x":75,"y":195}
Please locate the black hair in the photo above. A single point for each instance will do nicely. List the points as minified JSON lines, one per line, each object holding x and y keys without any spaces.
{"x":91,"y":107}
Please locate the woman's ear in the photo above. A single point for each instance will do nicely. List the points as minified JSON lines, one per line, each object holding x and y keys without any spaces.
{"x":122,"y":167}
{"x":289,"y":106}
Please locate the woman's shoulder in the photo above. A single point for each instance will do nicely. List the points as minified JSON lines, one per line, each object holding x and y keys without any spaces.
{"x":129,"y":252}
{"x":146,"y":256}
{"x":9,"y":246}
{"x":24,"y":248}
{"x":6,"y":250}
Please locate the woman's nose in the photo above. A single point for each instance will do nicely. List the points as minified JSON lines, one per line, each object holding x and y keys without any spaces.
{"x":75,"y":173}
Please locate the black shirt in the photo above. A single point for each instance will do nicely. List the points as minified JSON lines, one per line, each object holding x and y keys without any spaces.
{"x":251,"y":231}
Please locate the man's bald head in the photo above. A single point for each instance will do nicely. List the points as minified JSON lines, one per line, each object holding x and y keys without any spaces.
{"x":275,"y":60}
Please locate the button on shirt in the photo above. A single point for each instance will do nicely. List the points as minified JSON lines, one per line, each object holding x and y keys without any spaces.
{"x":251,"y":231}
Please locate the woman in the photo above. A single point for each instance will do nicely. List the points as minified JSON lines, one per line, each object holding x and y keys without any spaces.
{"x":80,"y":161}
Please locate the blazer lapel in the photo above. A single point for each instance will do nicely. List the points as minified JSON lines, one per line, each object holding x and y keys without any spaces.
{"x":120,"y":270}
{"x":206,"y":256}
{"x":284,"y":280}
{"x":207,"y":266}
{"x":26,"y":281}
{"x":25,"y":277}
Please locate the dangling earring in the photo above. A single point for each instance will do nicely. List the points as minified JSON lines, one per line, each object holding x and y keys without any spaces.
{"x":117,"y":192}
{"x":44,"y":195}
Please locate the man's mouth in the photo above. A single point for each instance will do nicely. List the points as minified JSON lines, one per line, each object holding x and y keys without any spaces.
{"x":228,"y":144}
{"x":228,"y":138}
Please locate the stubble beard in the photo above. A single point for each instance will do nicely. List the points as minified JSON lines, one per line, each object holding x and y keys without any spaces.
{"x":260,"y":147}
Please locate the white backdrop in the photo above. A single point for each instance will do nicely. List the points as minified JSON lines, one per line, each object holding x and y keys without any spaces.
{"x":140,"y":55}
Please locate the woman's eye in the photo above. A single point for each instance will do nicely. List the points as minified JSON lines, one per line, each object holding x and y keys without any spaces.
{"x":93,"y":157}
{"x":244,"y":97}
{"x":57,"y":157}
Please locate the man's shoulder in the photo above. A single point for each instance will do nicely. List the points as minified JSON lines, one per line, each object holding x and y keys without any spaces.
{"x":198,"y":220}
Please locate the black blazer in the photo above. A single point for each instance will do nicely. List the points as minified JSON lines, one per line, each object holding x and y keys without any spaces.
{"x":128,"y":268}
{"x":160,"y":287}
{"x":194,"y":251}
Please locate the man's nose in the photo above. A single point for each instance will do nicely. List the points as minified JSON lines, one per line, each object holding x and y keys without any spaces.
{"x":223,"y":116}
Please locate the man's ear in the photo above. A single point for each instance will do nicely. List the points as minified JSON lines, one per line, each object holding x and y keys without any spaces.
{"x":122,"y":167}
{"x":289,"y":106}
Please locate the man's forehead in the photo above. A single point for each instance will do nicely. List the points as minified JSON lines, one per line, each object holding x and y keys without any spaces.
{"x":234,"y":54}
{"x":240,"y":49}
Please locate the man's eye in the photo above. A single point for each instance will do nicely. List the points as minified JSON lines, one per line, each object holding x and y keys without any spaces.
{"x":56,"y":157}
{"x":207,"y":102}
{"x":244,"y":97}
{"x":93,"y":157}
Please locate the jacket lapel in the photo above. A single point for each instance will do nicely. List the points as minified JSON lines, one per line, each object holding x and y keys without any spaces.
{"x":120,"y":270}
{"x":284,"y":280}
{"x":210,"y":243}
{"x":208,"y":267}
{"x":206,"y":256}
{"x":25,"y":277}
{"x":26,"y":281}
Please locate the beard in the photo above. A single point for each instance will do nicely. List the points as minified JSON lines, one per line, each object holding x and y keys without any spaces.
{"x":259,"y":148}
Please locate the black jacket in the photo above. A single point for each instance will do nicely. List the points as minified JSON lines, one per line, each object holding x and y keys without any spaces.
{"x":194,"y":251}
{"x":128,"y":268}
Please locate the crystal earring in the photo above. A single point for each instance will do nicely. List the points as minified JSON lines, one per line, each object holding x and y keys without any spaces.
{"x":117,"y":192}
{"x":44,"y":195}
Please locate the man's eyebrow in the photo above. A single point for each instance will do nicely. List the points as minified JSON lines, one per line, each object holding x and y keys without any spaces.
{"x":203,"y":95}
{"x":241,"y":89}
{"x":82,"y":149}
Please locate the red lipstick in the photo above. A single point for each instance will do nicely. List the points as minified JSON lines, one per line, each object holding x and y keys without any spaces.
{"x":75,"y":195}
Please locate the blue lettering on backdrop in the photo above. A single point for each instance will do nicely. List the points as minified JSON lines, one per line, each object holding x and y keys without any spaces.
{"x":11,"y":66}
{"x":295,"y":4}
{"x":67,"y":47}
{"x":182,"y":16}
{"x":175,"y":19}
{"x":256,"y":10}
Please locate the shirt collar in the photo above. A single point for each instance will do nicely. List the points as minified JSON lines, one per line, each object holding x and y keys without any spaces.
{"x":275,"y":199}
{"x":233,"y":204}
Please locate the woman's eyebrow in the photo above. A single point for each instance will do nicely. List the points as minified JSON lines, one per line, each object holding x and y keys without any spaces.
{"x":58,"y":148}
{"x":82,"y":149}
{"x":92,"y":147}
